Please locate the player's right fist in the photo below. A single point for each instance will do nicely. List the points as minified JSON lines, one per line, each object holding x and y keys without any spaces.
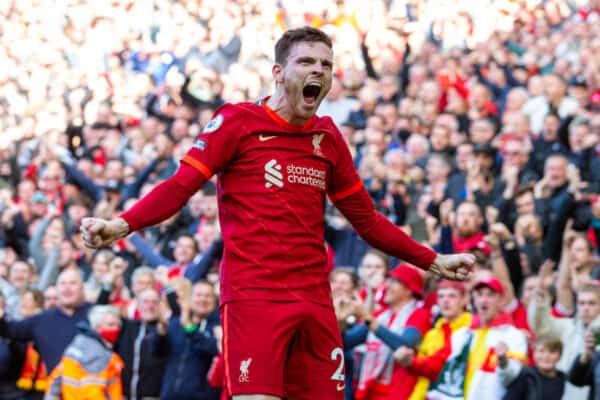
{"x":99,"y":233}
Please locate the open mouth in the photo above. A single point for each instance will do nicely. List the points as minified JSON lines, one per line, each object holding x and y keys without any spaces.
{"x":311,"y":92}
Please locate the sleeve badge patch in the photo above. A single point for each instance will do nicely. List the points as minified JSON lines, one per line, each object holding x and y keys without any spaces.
{"x":199,"y":144}
{"x":214,"y":124}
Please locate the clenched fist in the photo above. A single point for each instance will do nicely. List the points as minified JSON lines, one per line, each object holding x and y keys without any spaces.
{"x":99,"y":233}
{"x":456,"y":267}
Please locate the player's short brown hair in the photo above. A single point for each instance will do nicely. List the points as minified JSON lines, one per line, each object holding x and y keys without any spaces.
{"x":294,"y":36}
{"x":551,"y":343}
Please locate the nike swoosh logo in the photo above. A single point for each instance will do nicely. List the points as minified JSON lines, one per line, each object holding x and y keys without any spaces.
{"x":264,"y":138}
{"x":340,"y":387}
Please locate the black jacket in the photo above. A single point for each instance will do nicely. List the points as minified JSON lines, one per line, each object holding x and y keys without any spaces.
{"x":143,"y":372}
{"x":587,"y":375}
{"x":555,"y":211}
{"x":530,"y":384}
{"x":590,"y":168}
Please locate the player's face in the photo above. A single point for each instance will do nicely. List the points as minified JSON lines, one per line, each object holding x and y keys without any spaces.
{"x":306,"y":77}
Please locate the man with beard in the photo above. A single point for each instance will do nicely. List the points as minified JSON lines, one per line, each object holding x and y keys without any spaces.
{"x":276,"y":162}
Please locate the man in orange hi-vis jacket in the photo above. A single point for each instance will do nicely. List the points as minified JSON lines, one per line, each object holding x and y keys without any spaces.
{"x":90,"y":369}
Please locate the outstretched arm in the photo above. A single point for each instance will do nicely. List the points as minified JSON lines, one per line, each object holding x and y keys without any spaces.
{"x":382,"y":234}
{"x":349,"y":195}
{"x":158,"y":205}
{"x":212,"y":151}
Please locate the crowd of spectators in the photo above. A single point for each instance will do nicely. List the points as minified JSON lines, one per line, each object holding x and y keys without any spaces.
{"x":474,"y":125}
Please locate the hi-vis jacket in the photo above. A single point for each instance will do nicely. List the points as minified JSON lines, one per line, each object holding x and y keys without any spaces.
{"x":89,"y":370}
{"x":33,"y":375}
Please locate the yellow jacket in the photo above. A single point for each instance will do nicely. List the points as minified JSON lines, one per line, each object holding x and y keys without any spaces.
{"x":441,"y":343}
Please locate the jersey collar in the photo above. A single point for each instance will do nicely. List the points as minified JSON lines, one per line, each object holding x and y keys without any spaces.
{"x":282,"y":122}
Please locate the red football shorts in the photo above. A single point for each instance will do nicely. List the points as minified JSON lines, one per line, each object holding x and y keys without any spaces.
{"x":285,"y":349}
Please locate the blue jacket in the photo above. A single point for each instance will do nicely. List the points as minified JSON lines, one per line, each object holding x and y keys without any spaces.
{"x":51,"y":331}
{"x":357,"y":334}
{"x":189,"y":358}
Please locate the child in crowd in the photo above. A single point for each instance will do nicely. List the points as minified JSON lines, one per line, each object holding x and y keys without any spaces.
{"x":543,"y":380}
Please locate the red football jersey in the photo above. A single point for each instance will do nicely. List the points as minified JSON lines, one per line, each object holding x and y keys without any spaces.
{"x":273,"y":178}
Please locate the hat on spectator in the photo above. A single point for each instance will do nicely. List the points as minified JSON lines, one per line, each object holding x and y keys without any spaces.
{"x":447,"y":284}
{"x":410,"y":277}
{"x":490,"y":282}
{"x":39,"y":197}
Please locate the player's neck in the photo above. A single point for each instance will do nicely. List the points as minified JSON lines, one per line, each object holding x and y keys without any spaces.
{"x":279,"y":103}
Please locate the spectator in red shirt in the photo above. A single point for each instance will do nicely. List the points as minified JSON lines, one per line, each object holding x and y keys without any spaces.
{"x":403,"y":322}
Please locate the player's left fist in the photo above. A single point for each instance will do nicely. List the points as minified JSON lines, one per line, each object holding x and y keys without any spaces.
{"x":98,"y":233}
{"x":457,"y":267}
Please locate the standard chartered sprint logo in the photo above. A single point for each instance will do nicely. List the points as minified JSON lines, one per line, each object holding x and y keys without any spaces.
{"x":295,"y":174}
{"x":273,"y":174}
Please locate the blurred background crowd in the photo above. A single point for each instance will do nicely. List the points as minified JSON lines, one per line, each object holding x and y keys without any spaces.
{"x":475,"y":126}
